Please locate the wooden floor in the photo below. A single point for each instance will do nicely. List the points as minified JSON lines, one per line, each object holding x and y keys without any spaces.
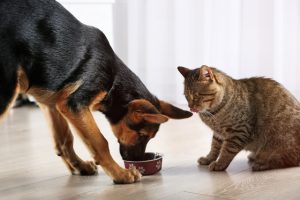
{"x":29,"y":168}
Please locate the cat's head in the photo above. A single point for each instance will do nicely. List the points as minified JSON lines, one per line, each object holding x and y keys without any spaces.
{"x":203,"y":88}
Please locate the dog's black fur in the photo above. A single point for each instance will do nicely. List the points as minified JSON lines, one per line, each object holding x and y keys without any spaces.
{"x":54,"y":49}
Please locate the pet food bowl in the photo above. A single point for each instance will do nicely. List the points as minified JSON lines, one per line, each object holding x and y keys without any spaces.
{"x":149,"y":165}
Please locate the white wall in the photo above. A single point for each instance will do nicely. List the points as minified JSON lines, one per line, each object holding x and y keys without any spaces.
{"x":241,"y":37}
{"x":97,"y":13}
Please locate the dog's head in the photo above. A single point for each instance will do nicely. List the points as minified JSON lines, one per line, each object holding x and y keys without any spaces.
{"x":141,"y":124}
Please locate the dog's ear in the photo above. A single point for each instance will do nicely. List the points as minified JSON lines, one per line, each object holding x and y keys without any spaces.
{"x":183,"y":70}
{"x":155,"y":118}
{"x":141,"y":109}
{"x":173,"y":112}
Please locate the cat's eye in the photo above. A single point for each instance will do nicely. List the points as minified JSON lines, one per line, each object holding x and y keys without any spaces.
{"x":191,"y":97}
{"x":208,"y":100}
{"x":207,"y":94}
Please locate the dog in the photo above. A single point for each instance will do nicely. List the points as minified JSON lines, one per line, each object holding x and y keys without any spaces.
{"x":71,"y":70}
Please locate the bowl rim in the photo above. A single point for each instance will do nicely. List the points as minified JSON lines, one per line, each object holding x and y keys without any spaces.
{"x":160,"y":156}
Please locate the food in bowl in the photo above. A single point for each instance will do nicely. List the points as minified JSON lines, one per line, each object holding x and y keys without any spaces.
{"x":151,"y":164}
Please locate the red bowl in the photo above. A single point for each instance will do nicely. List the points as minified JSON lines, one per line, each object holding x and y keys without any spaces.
{"x":149,"y":166}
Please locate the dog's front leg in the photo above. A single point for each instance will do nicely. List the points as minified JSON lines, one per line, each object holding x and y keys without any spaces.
{"x":87,"y":128}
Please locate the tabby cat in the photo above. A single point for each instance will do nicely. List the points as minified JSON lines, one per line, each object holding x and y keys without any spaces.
{"x":254,"y":114}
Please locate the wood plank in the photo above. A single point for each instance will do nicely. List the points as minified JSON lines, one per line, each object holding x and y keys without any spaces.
{"x":29,"y":168}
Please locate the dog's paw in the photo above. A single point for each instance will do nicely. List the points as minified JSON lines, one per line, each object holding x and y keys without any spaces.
{"x":128,"y":176}
{"x":215,"y":166}
{"x":204,"y":161}
{"x":88,"y":168}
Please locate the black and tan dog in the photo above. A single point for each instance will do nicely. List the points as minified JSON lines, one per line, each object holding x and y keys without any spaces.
{"x":71,"y":70}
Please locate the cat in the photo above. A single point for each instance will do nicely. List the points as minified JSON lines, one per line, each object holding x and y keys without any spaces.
{"x":255,"y":114}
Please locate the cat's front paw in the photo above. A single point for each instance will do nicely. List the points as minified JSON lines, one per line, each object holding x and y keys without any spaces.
{"x":260,"y":166}
{"x":216,"y":166}
{"x":251,"y":157}
{"x":204,"y":161}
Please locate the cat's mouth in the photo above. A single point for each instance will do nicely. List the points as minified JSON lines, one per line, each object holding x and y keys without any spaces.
{"x":195,"y":110}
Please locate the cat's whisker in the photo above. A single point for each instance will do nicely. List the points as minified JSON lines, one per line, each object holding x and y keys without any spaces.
{"x":211,"y":115}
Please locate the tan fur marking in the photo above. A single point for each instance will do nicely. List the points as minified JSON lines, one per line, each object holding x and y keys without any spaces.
{"x":84,"y":123}
{"x":136,"y":113}
{"x":22,"y":80}
{"x":63,"y":140}
{"x":87,"y":128}
{"x":96,"y":101}
{"x":51,"y":97}
{"x":45,"y":96}
{"x":124,"y":134}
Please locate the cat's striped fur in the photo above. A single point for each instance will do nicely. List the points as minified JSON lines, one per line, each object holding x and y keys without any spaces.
{"x":255,"y":114}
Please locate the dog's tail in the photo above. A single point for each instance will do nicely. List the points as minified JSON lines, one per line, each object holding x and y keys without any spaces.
{"x":9,"y":88}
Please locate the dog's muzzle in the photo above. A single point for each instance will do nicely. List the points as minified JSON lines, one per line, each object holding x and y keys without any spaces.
{"x":134,"y":152}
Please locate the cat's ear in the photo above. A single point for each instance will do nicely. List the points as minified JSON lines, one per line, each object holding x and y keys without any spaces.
{"x":183,"y":70}
{"x":206,"y":73}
